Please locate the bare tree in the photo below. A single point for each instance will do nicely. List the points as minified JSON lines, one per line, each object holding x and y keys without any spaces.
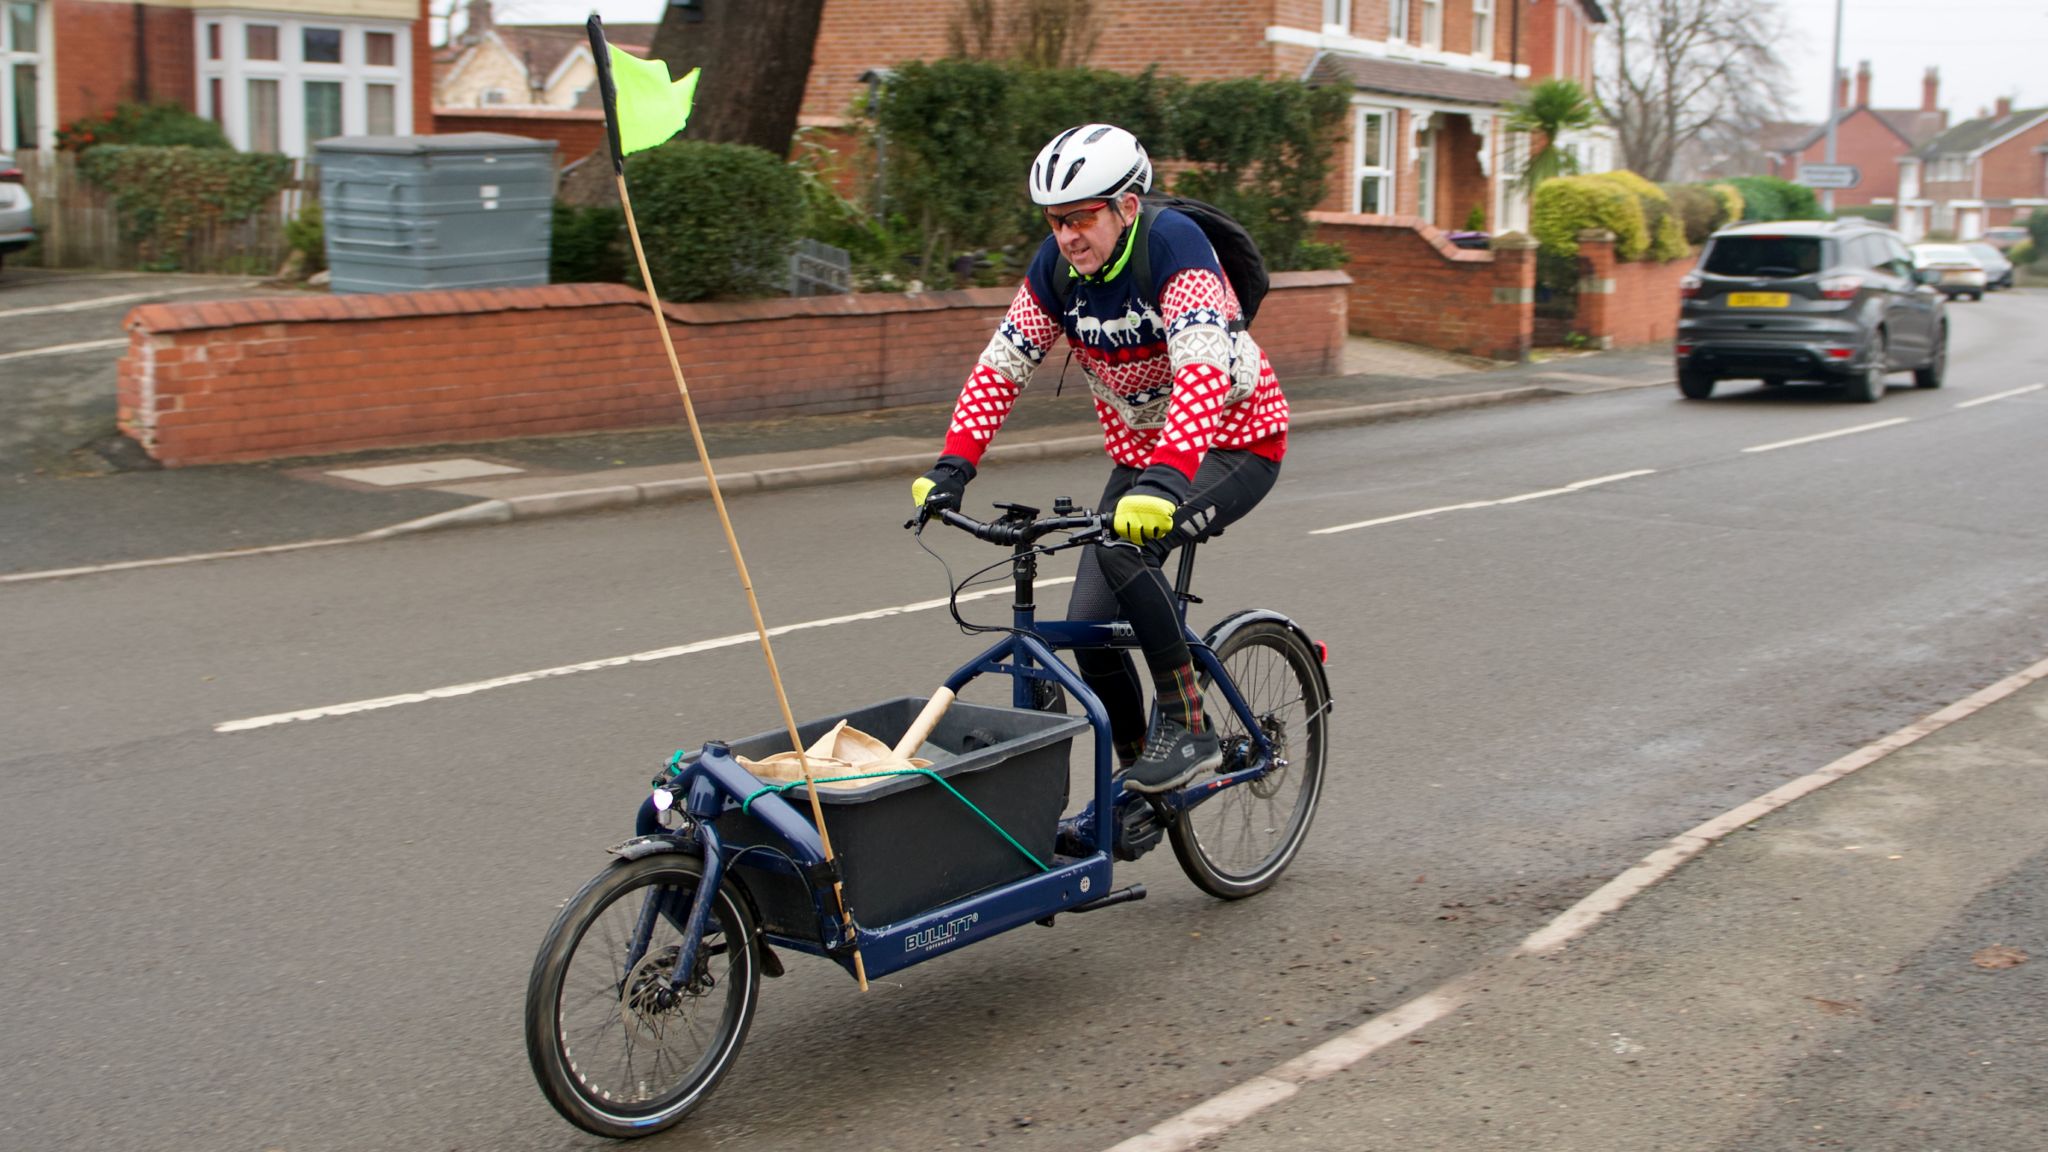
{"x":756,"y":56}
{"x":1675,"y":69}
{"x":1037,"y":33}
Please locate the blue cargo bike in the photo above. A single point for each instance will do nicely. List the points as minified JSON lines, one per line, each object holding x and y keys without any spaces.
{"x":646,"y":983}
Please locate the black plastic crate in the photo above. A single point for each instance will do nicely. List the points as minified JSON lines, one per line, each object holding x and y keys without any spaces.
{"x":904,"y":844}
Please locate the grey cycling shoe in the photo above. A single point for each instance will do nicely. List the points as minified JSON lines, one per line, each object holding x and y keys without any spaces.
{"x":1172,"y":757}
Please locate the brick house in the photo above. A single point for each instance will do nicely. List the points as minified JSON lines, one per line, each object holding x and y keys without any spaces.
{"x":1979,"y":174}
{"x":493,"y":65}
{"x":1872,"y":139}
{"x":275,"y":78}
{"x":1429,"y":78}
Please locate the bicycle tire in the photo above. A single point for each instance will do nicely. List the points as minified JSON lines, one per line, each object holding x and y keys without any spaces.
{"x":1267,"y":661}
{"x":626,"y":1103}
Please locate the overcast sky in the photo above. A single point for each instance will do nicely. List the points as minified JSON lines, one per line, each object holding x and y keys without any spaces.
{"x":1984,"y":48}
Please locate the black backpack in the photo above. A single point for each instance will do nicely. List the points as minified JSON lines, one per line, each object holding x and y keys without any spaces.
{"x":1235,"y":250}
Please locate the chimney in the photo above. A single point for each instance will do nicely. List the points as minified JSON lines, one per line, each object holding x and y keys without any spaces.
{"x":2004,"y":107}
{"x":1863,"y":84}
{"x":1842,"y":88}
{"x":1930,"y":91}
{"x":479,"y":21}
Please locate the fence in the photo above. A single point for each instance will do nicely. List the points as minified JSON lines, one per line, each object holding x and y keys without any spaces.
{"x":77,"y":225}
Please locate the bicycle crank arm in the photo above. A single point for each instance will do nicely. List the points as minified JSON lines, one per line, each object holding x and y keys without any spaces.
{"x":1120,"y":896}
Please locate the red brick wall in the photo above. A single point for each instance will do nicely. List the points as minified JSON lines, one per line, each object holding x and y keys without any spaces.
{"x":577,"y":132}
{"x":96,"y":62}
{"x":1199,"y":39}
{"x":1410,"y":284}
{"x":1863,"y":140}
{"x":423,"y":72}
{"x":1541,"y":24}
{"x":279,"y":376}
{"x":1626,"y":304}
{"x":2014,"y":170}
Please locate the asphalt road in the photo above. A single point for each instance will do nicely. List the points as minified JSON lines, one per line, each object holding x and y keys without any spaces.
{"x":316,"y":934}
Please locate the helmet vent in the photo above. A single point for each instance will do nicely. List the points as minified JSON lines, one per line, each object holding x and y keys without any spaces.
{"x":1072,"y":172}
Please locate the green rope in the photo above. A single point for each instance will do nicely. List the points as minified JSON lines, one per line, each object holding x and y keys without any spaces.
{"x":747,"y":804}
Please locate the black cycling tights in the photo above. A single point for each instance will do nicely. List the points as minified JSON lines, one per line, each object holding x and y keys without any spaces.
{"x":1124,"y":581}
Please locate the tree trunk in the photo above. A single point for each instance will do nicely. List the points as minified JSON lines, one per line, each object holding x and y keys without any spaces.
{"x":756,"y":56}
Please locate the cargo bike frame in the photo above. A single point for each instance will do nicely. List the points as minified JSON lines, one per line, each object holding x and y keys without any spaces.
{"x":665,"y":949}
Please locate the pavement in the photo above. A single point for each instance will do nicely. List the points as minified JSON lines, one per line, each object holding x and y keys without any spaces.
{"x":1865,"y":970}
{"x":75,"y":496}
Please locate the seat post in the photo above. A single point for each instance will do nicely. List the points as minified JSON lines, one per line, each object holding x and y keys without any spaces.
{"x":1186,"y":578}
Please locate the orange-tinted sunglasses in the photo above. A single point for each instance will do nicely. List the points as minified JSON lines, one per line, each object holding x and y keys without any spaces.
{"x":1076,"y":218}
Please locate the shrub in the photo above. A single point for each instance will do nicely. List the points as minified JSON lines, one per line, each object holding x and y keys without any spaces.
{"x":1731,"y":203}
{"x":715,"y":219}
{"x":161,"y":194}
{"x":2023,"y":252}
{"x":1568,"y":205}
{"x":307,"y":234}
{"x":1876,"y":213}
{"x":161,"y":125}
{"x":1770,"y":198}
{"x":2037,"y":227}
{"x":587,"y":245}
{"x":1700,"y":212}
{"x":960,"y":133}
{"x":1666,"y":232}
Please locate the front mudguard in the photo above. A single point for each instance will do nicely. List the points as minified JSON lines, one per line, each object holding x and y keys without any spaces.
{"x":685,"y":841}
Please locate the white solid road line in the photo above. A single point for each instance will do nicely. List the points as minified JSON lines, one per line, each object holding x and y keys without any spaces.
{"x":1576,"y":486}
{"x":2002,"y":395}
{"x":167,"y":561}
{"x":110,"y":301}
{"x":1896,"y":420}
{"x":476,"y":686}
{"x":1183,"y":1132}
{"x":61,"y":349}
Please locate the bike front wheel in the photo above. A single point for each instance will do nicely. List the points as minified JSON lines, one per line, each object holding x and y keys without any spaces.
{"x":1239,"y":841}
{"x":617,"y":1049}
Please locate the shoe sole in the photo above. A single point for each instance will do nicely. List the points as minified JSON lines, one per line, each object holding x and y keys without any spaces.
{"x":1208,"y":764}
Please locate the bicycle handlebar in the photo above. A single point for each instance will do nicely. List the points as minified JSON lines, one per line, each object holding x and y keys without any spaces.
{"x":1019,"y":525}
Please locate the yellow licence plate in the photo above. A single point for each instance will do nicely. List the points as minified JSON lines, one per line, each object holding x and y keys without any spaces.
{"x":1759,"y":299}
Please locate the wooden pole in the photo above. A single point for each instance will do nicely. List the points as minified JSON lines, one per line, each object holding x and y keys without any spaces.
{"x":860,"y":971}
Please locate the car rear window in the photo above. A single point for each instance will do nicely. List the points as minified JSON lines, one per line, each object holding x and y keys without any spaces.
{"x":1765,"y":256}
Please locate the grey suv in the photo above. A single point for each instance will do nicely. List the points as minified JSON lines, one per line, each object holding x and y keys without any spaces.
{"x":1836,"y":301}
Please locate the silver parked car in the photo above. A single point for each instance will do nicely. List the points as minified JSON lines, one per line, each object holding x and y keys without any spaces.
{"x":1997,"y":269}
{"x":1952,"y":270}
{"x":17,"y":227}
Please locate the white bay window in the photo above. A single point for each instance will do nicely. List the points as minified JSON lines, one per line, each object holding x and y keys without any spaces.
{"x":280,"y":81}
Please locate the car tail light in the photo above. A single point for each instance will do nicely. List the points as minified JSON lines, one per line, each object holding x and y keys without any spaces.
{"x":1684,"y":349}
{"x":1840,"y":287}
{"x":1689,"y":287}
{"x":10,"y":176}
{"x":1839,"y":353}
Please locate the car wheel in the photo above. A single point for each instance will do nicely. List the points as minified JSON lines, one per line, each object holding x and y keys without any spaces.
{"x":1867,"y":386}
{"x":1976,"y":297}
{"x":1936,"y":368}
{"x":1695,"y":385}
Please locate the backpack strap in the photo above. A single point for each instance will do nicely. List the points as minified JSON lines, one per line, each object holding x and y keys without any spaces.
{"x":1140,"y":264}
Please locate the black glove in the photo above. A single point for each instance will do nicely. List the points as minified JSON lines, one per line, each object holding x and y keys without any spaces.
{"x":944,"y":485}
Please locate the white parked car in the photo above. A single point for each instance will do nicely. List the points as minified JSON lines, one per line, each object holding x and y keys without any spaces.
{"x":1956,"y":272}
{"x":17,"y":228}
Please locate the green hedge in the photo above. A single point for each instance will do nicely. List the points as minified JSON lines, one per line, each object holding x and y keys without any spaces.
{"x":587,"y":245}
{"x":2024,"y":252}
{"x":1662,"y":226}
{"x":1568,"y":205}
{"x":715,"y":219}
{"x":1703,"y":210}
{"x":960,"y":134}
{"x":161,"y":194}
{"x":161,"y":125}
{"x":1766,"y":198}
{"x":1877,"y":213}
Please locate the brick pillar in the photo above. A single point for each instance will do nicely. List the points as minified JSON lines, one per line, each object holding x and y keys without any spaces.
{"x":1596,"y":287}
{"x":1512,"y":327}
{"x":423,"y":71}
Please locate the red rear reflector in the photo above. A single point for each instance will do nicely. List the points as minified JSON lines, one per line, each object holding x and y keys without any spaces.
{"x":1685,"y":349}
{"x":10,"y":176}
{"x":1322,"y":651}
{"x":1839,"y":353}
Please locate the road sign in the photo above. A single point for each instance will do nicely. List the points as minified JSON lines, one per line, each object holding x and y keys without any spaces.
{"x":1830,"y":175}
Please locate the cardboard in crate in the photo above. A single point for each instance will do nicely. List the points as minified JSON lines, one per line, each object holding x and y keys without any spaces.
{"x":905,"y":845}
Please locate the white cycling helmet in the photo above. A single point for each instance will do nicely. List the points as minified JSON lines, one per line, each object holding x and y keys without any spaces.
{"x":1090,"y":162}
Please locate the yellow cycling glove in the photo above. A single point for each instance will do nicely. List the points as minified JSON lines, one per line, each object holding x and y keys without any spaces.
{"x":945,"y":483}
{"x":1142,"y":519}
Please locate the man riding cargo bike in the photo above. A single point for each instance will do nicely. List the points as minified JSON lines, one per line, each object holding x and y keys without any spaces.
{"x":1192,"y":417}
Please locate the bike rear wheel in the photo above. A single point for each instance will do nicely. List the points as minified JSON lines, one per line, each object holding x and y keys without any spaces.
{"x":1239,"y":841}
{"x":612,"y":1051}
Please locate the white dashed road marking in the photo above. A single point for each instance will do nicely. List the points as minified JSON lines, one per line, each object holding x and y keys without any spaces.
{"x":61,"y":349}
{"x":1772,"y":447}
{"x":1577,"y":486}
{"x":110,"y":301}
{"x":2002,"y":395}
{"x":476,"y":686}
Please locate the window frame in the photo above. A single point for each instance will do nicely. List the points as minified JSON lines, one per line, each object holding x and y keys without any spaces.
{"x":1398,"y":21}
{"x":1341,"y":11}
{"x":1427,"y":38}
{"x":35,"y":104}
{"x":1482,"y":29}
{"x":1385,"y":170}
{"x":292,"y":72}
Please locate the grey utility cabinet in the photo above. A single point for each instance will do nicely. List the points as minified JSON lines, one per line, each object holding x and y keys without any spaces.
{"x":408,"y":213}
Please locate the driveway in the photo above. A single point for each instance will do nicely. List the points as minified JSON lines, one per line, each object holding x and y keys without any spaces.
{"x":60,"y":339}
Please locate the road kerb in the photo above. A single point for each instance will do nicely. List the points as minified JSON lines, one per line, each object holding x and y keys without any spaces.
{"x":839,"y":471}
